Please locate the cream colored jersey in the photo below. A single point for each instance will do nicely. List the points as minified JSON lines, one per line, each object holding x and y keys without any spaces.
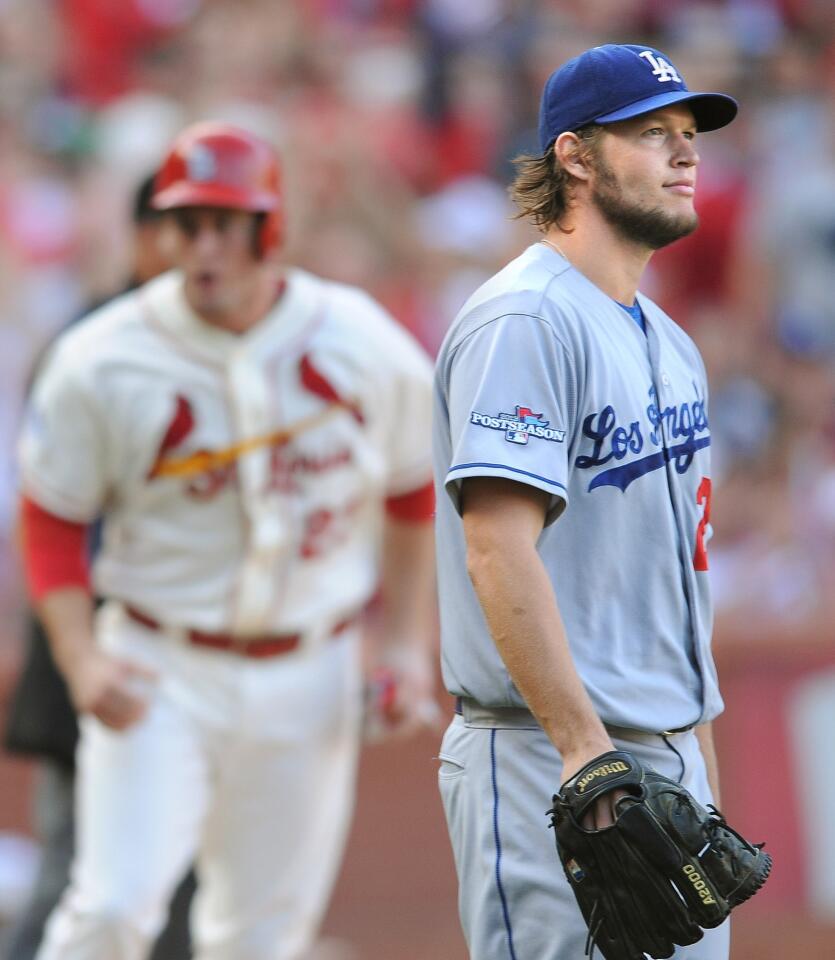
{"x":242,"y":478}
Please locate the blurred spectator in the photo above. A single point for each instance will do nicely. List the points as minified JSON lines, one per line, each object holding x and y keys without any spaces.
{"x":406,"y":113}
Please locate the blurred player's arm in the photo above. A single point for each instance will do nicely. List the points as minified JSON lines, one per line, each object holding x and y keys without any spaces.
{"x":407,"y":616}
{"x":403,"y":689}
{"x":503,"y":520}
{"x":57,"y":574}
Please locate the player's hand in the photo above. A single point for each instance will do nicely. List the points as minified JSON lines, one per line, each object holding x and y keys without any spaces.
{"x":603,"y":813}
{"x":400,"y":696}
{"x":113,"y":690}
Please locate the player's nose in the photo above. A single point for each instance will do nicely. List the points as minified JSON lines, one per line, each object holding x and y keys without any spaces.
{"x":685,"y":154}
{"x":206,"y":239}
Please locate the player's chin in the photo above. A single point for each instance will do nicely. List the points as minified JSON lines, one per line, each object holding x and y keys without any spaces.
{"x":208,"y":302}
{"x":688,"y":222}
{"x":669,"y":227}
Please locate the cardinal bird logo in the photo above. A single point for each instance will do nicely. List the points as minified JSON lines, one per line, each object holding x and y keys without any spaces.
{"x":180,"y":426}
{"x":315,"y":382}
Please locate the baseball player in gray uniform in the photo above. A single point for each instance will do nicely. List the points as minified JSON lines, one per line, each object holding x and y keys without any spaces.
{"x":563,"y":394}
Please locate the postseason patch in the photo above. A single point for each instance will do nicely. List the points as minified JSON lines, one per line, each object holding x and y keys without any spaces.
{"x":519,"y":426}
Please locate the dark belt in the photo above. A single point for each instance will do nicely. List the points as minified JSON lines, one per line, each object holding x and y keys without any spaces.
{"x":258,"y":646}
{"x":521,"y":716}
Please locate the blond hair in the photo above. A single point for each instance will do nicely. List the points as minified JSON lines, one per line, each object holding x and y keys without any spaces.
{"x":541,"y":187}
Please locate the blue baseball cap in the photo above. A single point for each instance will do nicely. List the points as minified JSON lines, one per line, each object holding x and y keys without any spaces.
{"x":618,"y":81}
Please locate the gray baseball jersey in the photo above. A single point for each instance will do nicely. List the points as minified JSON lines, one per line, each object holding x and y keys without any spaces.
{"x":545,"y":380}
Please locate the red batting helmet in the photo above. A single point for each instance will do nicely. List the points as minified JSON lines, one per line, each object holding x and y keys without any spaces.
{"x":219,"y":165}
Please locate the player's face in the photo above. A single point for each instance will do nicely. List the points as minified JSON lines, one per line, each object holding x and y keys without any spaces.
{"x":645,"y":176}
{"x":215,"y":249}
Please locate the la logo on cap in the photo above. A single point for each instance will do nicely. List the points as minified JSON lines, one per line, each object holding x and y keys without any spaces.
{"x":616,"y":82}
{"x":660,"y":68}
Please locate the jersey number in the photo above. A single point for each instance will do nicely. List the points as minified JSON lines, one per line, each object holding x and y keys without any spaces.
{"x":325,"y":530}
{"x":702,"y":497}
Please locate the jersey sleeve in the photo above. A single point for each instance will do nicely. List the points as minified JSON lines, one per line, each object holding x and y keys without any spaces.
{"x":63,"y":442}
{"x":55,"y":551}
{"x":511,"y":400}
{"x":408,"y":398}
{"x":416,"y":506}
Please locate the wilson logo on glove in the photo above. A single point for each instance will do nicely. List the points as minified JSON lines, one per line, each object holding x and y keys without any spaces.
{"x":607,"y":770}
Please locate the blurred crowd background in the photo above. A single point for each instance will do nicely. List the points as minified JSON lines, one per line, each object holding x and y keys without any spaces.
{"x":397,"y":121}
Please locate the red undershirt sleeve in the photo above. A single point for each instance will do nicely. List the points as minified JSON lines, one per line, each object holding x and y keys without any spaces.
{"x":416,"y":506}
{"x":54,"y":550}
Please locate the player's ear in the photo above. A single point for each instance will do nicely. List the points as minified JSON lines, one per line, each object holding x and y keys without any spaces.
{"x":572,"y":155}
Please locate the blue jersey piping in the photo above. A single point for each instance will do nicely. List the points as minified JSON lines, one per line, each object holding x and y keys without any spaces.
{"x":503,"y":466}
{"x":497,"y":838}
